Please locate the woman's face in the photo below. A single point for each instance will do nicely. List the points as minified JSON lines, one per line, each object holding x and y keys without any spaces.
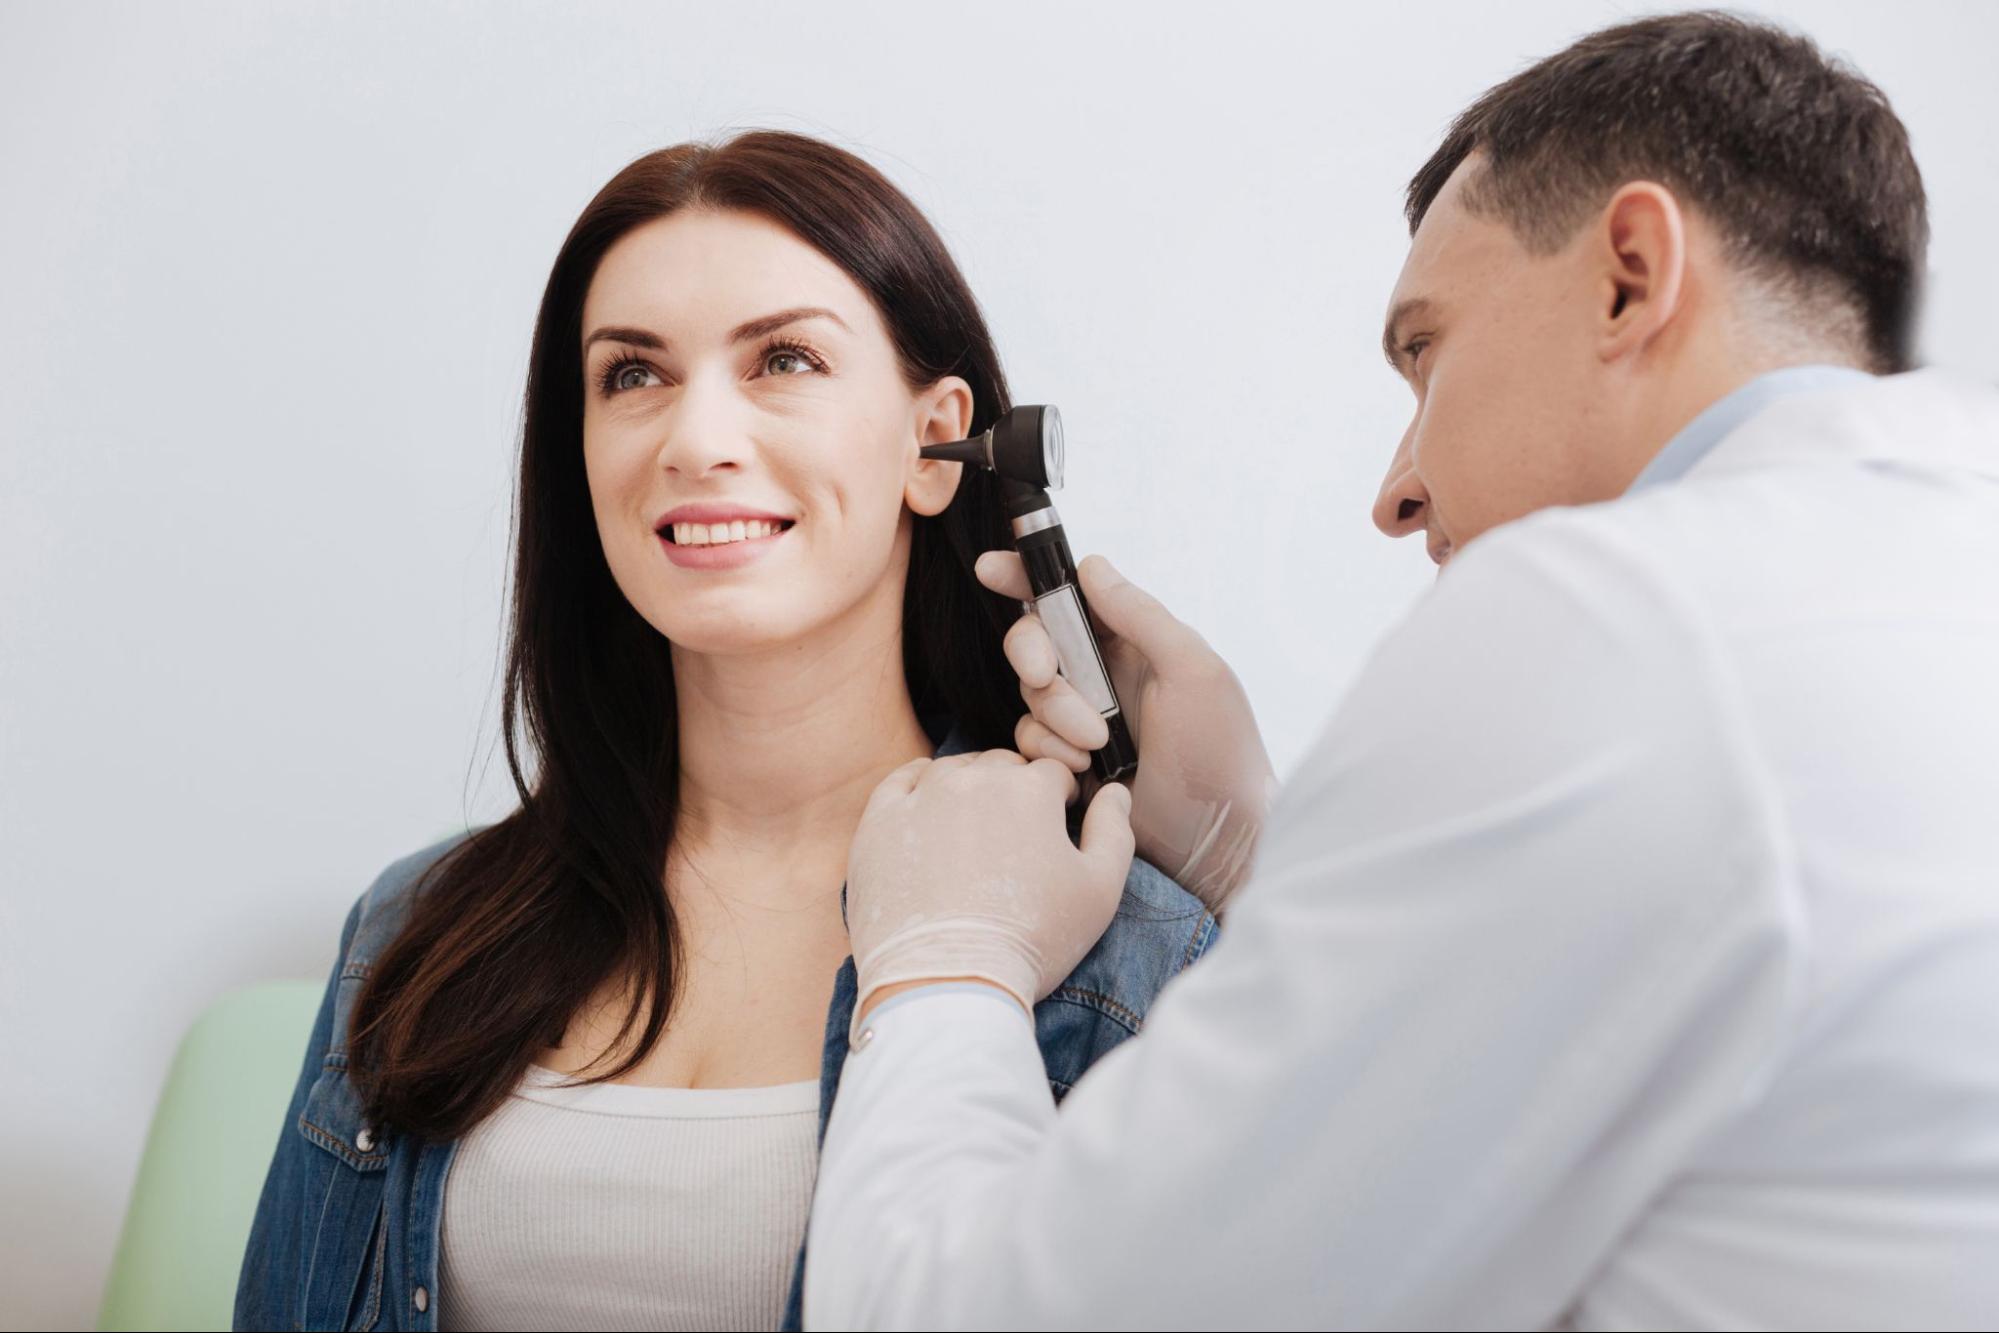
{"x":733,"y":376}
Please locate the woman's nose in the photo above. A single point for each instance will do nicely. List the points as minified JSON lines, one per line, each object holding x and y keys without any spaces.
{"x":701,"y":434}
{"x":1398,"y":509}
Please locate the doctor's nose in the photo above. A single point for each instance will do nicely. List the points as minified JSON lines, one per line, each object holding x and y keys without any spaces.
{"x":1400,"y":507}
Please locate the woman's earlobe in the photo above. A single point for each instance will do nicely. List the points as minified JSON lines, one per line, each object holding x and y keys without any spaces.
{"x":932,"y":485}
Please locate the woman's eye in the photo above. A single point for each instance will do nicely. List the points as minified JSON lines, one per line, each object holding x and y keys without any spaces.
{"x":612,"y":378}
{"x":619,"y":378}
{"x":786,"y":361}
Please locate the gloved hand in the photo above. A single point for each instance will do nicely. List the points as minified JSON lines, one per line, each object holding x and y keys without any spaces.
{"x":1204,"y":781}
{"x":962,"y":867}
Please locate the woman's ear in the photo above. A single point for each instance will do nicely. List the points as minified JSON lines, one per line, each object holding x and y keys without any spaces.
{"x":943,"y":414}
{"x":1642,"y":250}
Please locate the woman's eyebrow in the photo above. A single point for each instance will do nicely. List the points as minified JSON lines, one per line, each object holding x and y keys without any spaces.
{"x":636,"y":337}
{"x":757,"y":328}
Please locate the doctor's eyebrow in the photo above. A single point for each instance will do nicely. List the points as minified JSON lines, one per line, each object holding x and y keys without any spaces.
{"x":1391,"y":332}
{"x":755,"y":328}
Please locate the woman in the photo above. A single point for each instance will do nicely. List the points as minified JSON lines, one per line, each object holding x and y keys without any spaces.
{"x":571,"y":1068}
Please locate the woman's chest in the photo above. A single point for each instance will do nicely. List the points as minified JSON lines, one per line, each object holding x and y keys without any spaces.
{"x":751,"y":994}
{"x":685,"y":1207}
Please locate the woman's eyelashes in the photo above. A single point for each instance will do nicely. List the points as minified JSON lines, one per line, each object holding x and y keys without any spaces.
{"x":776,"y":358}
{"x":610,"y":379}
{"x":795,"y":356}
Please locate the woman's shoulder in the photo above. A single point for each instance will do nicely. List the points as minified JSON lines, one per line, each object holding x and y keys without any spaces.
{"x":1159,"y":930}
{"x":378,"y":914}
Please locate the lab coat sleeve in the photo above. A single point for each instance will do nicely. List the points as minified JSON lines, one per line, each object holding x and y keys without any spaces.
{"x":1522,"y":932}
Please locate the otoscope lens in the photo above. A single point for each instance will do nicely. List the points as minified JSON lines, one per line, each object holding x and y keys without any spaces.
{"x":1051,"y":445}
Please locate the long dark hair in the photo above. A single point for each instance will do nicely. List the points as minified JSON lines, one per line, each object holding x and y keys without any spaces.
{"x":513,"y":929}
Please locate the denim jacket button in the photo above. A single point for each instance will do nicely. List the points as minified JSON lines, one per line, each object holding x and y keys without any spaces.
{"x":421,"y":1299}
{"x":365,"y":1141}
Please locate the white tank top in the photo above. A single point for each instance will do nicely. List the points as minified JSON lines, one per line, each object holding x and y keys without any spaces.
{"x":621,"y":1207}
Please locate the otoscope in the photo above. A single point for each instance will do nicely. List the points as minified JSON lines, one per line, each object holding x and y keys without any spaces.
{"x":1024,"y":448}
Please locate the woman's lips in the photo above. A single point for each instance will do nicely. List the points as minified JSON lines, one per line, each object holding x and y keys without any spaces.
{"x":725,"y":555}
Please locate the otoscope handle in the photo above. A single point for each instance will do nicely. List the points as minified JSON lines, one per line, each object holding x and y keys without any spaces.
{"x":1058,"y":600}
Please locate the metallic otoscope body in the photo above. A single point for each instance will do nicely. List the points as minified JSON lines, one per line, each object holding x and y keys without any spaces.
{"x":1024,"y":447}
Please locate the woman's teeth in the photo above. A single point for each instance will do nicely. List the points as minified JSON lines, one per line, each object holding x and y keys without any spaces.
{"x":718,"y":534}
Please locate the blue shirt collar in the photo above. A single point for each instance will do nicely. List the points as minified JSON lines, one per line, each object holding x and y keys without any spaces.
{"x":1699,"y":437}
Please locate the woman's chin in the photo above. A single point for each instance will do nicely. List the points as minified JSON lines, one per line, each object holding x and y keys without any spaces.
{"x":727,"y":634}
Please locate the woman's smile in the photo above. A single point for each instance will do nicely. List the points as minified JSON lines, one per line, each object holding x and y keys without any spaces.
{"x":720,"y":545}
{"x":718,"y":536}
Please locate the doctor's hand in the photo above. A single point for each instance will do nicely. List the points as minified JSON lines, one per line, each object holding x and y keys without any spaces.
{"x":1204,"y":781}
{"x":962,"y":868}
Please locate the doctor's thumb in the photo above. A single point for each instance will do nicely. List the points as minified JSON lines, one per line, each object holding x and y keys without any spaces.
{"x":1136,"y":616}
{"x":1106,"y":834}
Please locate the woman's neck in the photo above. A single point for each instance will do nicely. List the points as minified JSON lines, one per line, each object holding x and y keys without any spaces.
{"x":780,"y":750}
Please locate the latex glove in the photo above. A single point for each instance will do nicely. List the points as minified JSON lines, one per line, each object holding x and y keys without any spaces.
{"x":1204,"y":781}
{"x":962,"y":867}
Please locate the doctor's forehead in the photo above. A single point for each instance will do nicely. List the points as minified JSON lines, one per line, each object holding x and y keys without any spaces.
{"x":1425,"y":276}
{"x":1458,"y":262}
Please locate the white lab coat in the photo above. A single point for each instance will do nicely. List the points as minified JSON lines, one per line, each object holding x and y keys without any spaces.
{"x":1624,"y":954}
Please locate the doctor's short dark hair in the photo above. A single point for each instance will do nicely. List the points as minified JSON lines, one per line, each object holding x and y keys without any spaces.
{"x":1798,"y":160}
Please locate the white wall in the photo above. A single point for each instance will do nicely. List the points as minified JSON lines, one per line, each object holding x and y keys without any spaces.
{"x":269,"y":276}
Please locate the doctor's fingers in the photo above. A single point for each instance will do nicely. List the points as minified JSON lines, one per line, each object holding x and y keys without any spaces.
{"x":941,"y":770}
{"x":1046,"y":770}
{"x":1034,"y":740}
{"x":1030,"y":651}
{"x":1049,"y":773}
{"x":899,"y":782}
{"x":950,"y":763}
{"x":1058,"y":707}
{"x":1004,"y":574}
{"x":1057,"y":775}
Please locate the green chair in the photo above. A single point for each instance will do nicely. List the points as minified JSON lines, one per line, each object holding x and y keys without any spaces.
{"x":211,"y":1142}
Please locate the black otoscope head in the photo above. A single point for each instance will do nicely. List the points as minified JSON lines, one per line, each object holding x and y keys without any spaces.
{"x":1024,"y":445}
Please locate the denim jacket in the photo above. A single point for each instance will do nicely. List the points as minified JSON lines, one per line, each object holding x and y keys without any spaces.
{"x":347,"y":1230}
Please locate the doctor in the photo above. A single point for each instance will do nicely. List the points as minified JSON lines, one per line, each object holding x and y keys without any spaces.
{"x":1625,"y":953}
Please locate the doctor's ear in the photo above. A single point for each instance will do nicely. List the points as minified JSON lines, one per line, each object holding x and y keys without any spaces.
{"x":1641,"y":243}
{"x":943,"y":412}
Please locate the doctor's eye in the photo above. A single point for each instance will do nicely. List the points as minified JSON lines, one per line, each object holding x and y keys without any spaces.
{"x":1413,"y":349}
